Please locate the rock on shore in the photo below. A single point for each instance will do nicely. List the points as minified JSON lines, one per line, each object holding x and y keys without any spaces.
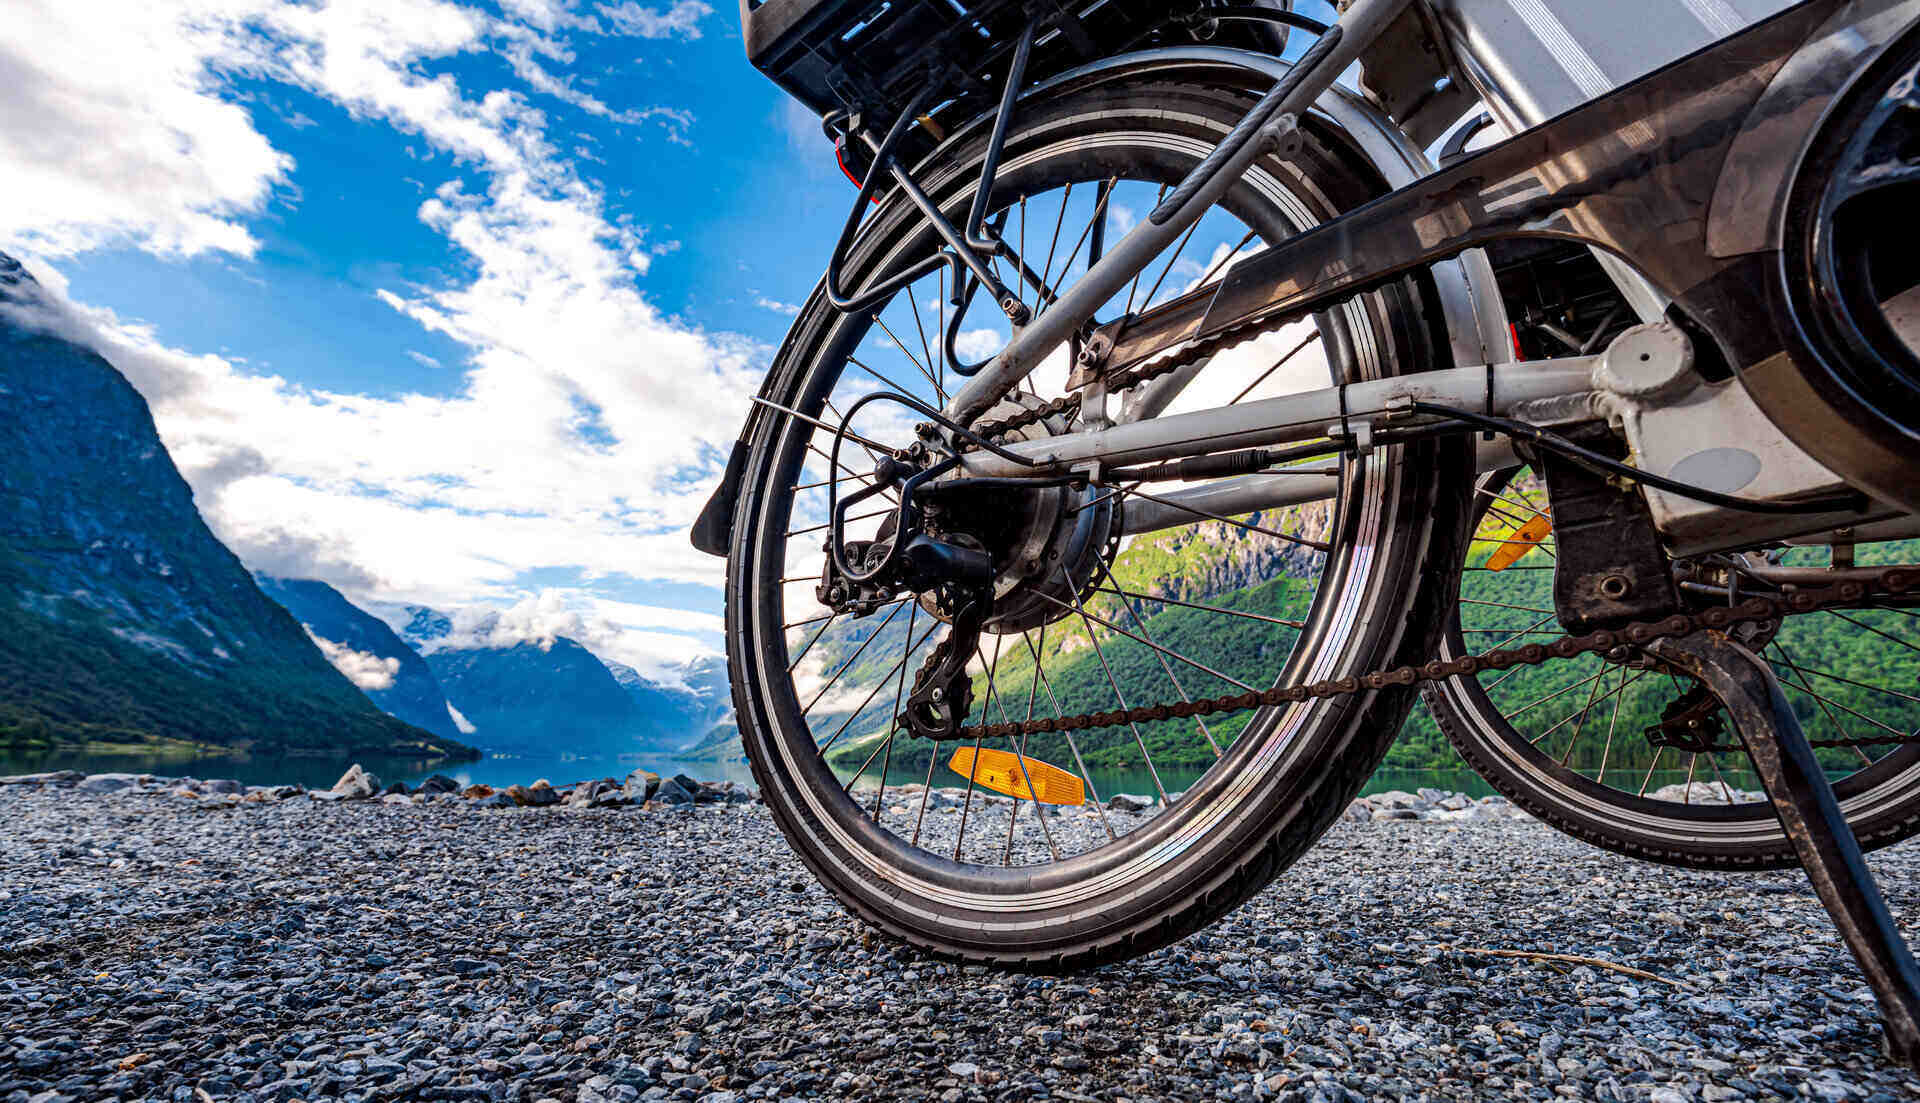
{"x":162,"y":946}
{"x":641,"y":787}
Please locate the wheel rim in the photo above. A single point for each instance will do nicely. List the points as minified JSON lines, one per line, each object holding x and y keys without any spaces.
{"x":1005,"y":887}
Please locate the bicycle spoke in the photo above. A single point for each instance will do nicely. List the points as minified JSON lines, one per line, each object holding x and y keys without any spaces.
{"x":1613,"y":723}
{"x":1875,"y":631}
{"x":1714,"y":761}
{"x":1184,"y":508}
{"x":1171,"y":261}
{"x":961,"y":835}
{"x":1309,"y":339}
{"x":848,"y":477}
{"x":1574,"y":739}
{"x":1520,"y":505}
{"x":1563,"y":720}
{"x":1555,"y":693}
{"x":925,"y":349}
{"x":893,"y":725}
{"x":1046,"y":270}
{"x":1228,"y":259}
{"x":1529,"y":628}
{"x":1047,"y":683}
{"x":1294,"y":624}
{"x":814,"y":640}
{"x":824,"y":525}
{"x":1104,"y":621}
{"x":1135,"y":285}
{"x":851,"y":659}
{"x":904,"y":351}
{"x":1147,"y":638}
{"x":1020,"y":756}
{"x":1651,"y":767}
{"x":886,"y":492}
{"x":877,"y":686}
{"x":1094,"y":638}
{"x":866,"y":445}
{"x":925,"y":792}
{"x":997,"y":701}
{"x":1827,"y":705}
{"x":1504,"y":605}
{"x":871,"y":755}
{"x":1848,"y":681}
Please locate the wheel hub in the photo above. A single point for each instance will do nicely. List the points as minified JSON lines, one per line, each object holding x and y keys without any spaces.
{"x":1049,"y":545}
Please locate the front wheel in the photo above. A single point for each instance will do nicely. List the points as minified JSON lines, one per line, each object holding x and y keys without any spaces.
{"x":1581,"y":743}
{"x":901,"y":829}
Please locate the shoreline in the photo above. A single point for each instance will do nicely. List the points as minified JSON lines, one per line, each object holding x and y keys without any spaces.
{"x":643,"y":788}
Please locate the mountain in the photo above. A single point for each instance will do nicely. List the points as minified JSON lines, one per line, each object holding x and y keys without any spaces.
{"x":122,"y":618}
{"x":366,"y":650}
{"x":722,"y":742}
{"x":688,"y":710}
{"x":551,"y":696}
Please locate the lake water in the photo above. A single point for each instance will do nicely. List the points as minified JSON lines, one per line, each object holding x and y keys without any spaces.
{"x":503,"y":770}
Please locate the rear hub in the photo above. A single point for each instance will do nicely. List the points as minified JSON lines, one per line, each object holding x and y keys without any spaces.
{"x":1049,"y":546}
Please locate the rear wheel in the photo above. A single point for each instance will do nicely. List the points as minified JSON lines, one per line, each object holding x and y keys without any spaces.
{"x":1321,"y":590}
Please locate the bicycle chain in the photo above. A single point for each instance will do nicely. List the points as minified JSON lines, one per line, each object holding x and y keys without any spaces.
{"x":1892,"y":582}
{"x":1131,"y":377}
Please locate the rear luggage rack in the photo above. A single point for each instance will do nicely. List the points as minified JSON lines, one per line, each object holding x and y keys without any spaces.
{"x":873,"y":57}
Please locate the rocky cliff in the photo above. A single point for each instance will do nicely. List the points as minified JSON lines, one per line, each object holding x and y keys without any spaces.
{"x":122,"y":617}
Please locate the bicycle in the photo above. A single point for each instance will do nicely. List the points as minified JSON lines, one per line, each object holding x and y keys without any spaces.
{"x":1330,"y":377}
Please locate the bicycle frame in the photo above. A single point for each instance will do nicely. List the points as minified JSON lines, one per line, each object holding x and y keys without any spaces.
{"x":1573,"y":178}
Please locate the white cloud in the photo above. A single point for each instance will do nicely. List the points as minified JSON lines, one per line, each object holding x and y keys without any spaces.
{"x":463,"y":725}
{"x":110,"y":133}
{"x":364,"y":669}
{"x":655,"y":640}
{"x":682,"y":19}
{"x":587,"y":424}
{"x":776,"y":306}
{"x":975,"y":345}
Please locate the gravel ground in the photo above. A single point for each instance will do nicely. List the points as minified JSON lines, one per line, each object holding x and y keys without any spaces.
{"x":155,"y":946}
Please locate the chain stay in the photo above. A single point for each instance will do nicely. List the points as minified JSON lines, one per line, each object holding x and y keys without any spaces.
{"x":1891,"y":582}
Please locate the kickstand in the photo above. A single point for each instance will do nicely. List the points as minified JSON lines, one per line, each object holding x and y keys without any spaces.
{"x":1811,"y":815}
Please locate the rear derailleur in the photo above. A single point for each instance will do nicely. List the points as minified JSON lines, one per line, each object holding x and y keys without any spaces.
{"x":950,"y":574}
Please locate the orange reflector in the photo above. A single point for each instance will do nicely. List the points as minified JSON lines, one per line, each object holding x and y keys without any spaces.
{"x":1520,"y":543}
{"x":1000,"y":771}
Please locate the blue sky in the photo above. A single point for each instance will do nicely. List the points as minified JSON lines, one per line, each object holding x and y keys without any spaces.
{"x":445,"y":302}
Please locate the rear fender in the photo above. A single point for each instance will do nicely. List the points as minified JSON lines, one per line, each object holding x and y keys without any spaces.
{"x":1470,"y":303}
